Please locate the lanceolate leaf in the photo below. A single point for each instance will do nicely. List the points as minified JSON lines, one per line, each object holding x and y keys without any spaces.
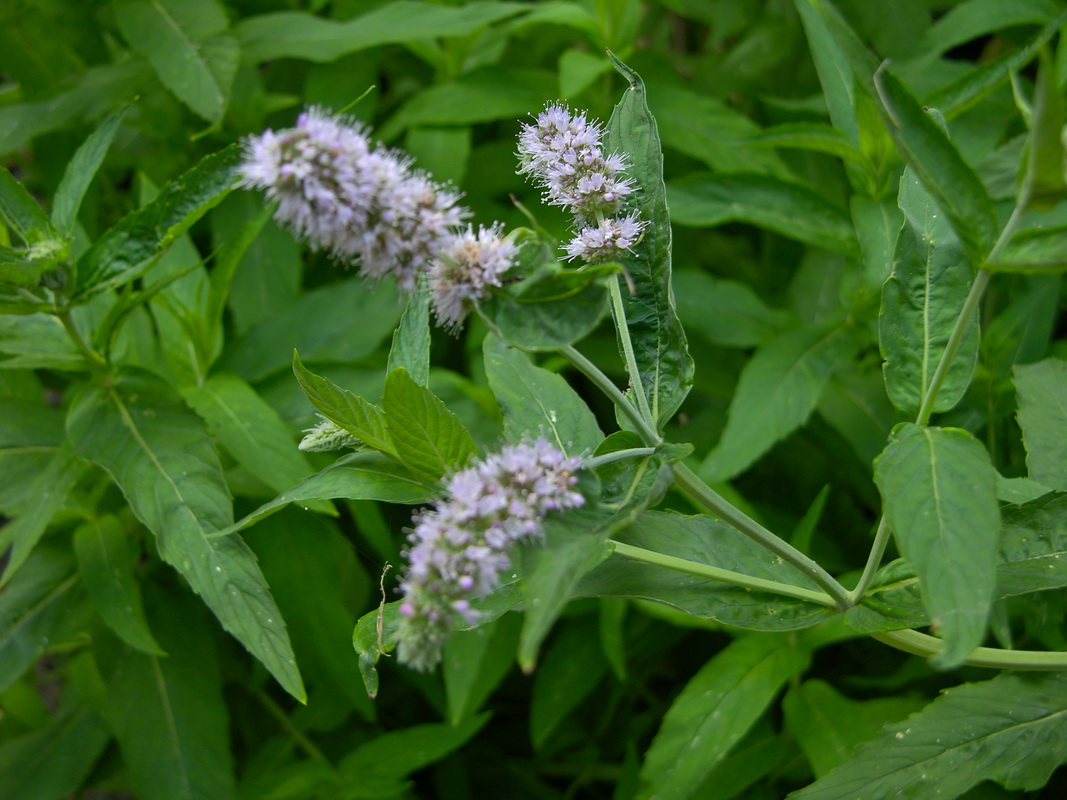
{"x":1033,"y":546}
{"x":20,"y":212}
{"x":168,"y":713}
{"x":132,"y":246}
{"x":920,"y":302}
{"x":80,"y":173}
{"x":163,"y":460}
{"x":779,"y":388}
{"x":1012,"y":730}
{"x":658,"y":337}
{"x":429,"y":439}
{"x":714,"y":711}
{"x":363,"y":420}
{"x":359,"y":476}
{"x":939,"y":494}
{"x":411,"y":339}
{"x":1043,"y":182}
{"x":928,"y":151}
{"x":537,"y":402}
{"x":106,"y":567}
{"x":1042,"y":390}
{"x":787,"y":208}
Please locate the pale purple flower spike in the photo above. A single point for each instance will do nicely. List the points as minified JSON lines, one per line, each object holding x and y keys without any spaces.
{"x":364,"y":204}
{"x":562,"y":152}
{"x":465,"y":269}
{"x":459,"y":548}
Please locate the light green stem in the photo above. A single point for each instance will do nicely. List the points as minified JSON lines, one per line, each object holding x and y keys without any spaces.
{"x":714,"y":502}
{"x":618,"y":455}
{"x":921,"y":644}
{"x":621,"y":401}
{"x":623,"y":330}
{"x":717,"y":574}
{"x":96,"y":361}
{"x":874,"y":559}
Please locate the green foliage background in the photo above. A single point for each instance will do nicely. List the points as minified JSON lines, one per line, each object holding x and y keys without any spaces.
{"x":783,"y":191}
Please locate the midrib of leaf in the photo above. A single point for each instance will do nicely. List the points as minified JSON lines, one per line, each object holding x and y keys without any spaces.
{"x":935,"y":485}
{"x":173,"y":23}
{"x":172,"y":726}
{"x":41,"y":604}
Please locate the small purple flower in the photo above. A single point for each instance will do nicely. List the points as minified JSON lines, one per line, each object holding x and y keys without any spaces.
{"x":562,"y":152}
{"x":465,"y":269}
{"x":458,"y":549}
{"x":606,"y":241}
{"x":363,"y":204}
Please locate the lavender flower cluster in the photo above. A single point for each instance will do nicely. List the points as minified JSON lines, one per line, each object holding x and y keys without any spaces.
{"x":459,"y":548}
{"x":365,"y":204}
{"x":562,"y":152}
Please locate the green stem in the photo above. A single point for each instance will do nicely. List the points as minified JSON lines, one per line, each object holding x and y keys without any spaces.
{"x":96,"y":361}
{"x":921,"y":644}
{"x":295,"y":733}
{"x":723,"y":575}
{"x":623,"y":331}
{"x":603,"y":382}
{"x":711,"y":500}
{"x":874,"y":560}
{"x":618,"y":455}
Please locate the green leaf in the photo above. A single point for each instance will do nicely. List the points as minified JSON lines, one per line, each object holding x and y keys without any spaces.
{"x":106,"y":566}
{"x":705,"y":540}
{"x":977,"y":18}
{"x":1010,"y":730}
{"x":658,"y":337}
{"x":429,"y":439}
{"x":378,"y":767}
{"x":132,"y":246}
{"x":724,"y":312}
{"x":18,"y":270}
{"x":714,"y":710}
{"x":163,"y":460}
{"x":575,"y":541}
{"x":229,"y":257}
{"x":168,"y":713}
{"x":33,"y":607}
{"x":939,"y":494}
{"x":246,"y":425}
{"x":779,"y":388}
{"x":358,"y":476}
{"x":20,"y":212}
{"x":53,"y":762}
{"x":49,"y":492}
{"x":343,"y":322}
{"x":1034,"y":250}
{"x":180,"y":38}
{"x":1042,"y":392}
{"x":363,"y":420}
{"x":920,"y":302}
{"x":951,"y":181}
{"x":268,"y":37}
{"x":411,"y":339}
{"x":551,"y":307}
{"x":1043,"y":182}
{"x":892,"y":603}
{"x":790,"y":209}
{"x":1033,"y":546}
{"x":37,"y":341}
{"x":536,"y":402}
{"x":80,"y":173}
{"x":808,"y":136}
{"x":570,"y":671}
{"x":476,"y":661}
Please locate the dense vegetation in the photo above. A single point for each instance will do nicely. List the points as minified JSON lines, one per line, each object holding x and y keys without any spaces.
{"x":818,"y":547}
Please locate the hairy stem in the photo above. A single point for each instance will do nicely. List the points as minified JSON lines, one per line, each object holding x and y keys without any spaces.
{"x":921,"y":644}
{"x":723,"y":575}
{"x":623,"y":331}
{"x":714,"y":502}
{"x":618,"y":455}
{"x":621,"y":401}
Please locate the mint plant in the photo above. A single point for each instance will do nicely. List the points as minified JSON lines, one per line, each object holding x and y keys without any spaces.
{"x":544,"y":435}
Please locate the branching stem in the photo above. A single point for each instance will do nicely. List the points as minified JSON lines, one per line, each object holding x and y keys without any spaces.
{"x":921,"y":644}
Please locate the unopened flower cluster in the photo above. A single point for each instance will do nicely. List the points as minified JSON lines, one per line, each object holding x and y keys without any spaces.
{"x":562,"y":152}
{"x":365,"y":205}
{"x":459,"y":548}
